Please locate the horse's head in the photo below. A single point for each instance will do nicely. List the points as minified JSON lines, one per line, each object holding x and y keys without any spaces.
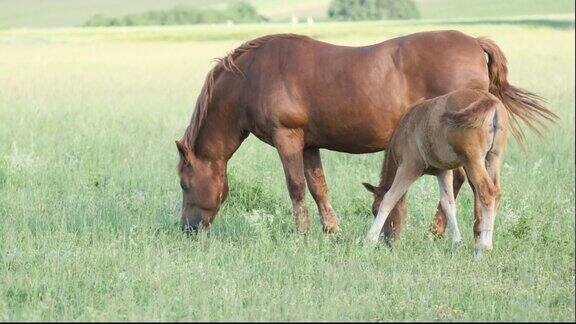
{"x":378,"y":193}
{"x":204,"y":189}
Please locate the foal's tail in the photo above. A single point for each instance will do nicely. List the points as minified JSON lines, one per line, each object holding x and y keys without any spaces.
{"x":518,"y":102}
{"x":472,"y":116}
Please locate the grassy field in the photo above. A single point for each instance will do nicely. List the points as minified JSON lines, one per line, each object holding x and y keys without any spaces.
{"x":67,"y":13}
{"x":89,"y":196}
{"x":440,"y":9}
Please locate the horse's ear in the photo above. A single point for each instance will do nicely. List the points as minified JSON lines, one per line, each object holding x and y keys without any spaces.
{"x":182,"y":150}
{"x":370,"y":187}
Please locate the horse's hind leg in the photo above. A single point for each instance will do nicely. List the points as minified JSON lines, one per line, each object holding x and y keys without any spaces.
{"x":319,"y":190}
{"x":439,"y":226}
{"x":448,"y":203}
{"x":493,"y":164}
{"x":290,"y":145}
{"x":485,"y":196}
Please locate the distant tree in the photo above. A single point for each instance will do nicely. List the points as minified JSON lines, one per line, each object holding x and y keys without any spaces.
{"x":402,"y":9}
{"x":99,"y":20}
{"x":372,"y":9}
{"x":239,"y":12}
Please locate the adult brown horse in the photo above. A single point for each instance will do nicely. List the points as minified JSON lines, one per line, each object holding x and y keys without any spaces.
{"x":300,"y":95}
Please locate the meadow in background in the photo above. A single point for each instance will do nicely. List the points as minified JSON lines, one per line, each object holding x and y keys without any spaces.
{"x":90,"y":201}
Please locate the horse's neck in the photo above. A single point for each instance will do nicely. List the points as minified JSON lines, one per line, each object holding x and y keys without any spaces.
{"x":219,"y":136}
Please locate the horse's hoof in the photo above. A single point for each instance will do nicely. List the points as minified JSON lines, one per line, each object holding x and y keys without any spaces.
{"x":302,"y":228}
{"x":332,"y":229}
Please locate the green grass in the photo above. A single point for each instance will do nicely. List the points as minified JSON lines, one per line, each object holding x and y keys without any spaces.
{"x":67,"y":13}
{"x":89,"y":196}
{"x":441,"y":9}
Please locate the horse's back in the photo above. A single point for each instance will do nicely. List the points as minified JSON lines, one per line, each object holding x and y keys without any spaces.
{"x":350,"y":98}
{"x":439,"y":62}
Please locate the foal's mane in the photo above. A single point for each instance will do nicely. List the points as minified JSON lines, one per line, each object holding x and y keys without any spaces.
{"x":226,"y":63}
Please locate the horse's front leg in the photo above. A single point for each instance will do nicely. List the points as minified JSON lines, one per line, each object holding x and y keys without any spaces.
{"x":319,"y":190}
{"x":290,"y":145}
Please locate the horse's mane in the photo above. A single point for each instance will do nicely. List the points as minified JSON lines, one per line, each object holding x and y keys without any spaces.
{"x":226,"y":63}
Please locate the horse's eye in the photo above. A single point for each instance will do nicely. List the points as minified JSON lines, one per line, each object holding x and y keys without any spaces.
{"x":183,"y":185}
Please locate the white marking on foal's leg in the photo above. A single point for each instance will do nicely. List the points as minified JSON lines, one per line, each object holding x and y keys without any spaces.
{"x":402,"y":181}
{"x":453,"y":224}
{"x":374,"y":232}
{"x":486,"y":229}
{"x":448,"y":204}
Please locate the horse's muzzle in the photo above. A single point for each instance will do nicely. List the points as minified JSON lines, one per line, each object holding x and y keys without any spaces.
{"x":193,"y":228}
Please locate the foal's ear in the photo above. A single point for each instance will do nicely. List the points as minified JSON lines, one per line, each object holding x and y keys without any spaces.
{"x":370,"y":187}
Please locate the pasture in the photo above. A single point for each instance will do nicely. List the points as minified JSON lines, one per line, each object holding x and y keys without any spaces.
{"x":90,"y":200}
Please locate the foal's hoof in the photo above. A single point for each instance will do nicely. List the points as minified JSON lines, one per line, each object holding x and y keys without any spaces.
{"x":457,"y":242}
{"x":480,"y":250}
{"x":477,"y":253}
{"x":372,"y":239}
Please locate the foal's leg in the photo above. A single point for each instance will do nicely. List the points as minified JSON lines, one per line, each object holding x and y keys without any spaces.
{"x":439,"y":226}
{"x":485,"y":193}
{"x":405,"y":176}
{"x":290,"y":144}
{"x":477,"y":213}
{"x":493,"y":166}
{"x":448,"y":204}
{"x":319,"y":190}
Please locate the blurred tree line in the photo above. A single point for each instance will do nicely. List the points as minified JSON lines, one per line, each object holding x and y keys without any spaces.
{"x":243,"y":12}
{"x":372,"y":9}
{"x":238,"y":12}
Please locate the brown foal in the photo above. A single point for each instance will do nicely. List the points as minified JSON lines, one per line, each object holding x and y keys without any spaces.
{"x":465,"y":128}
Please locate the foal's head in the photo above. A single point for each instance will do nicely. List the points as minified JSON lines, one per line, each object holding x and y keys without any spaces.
{"x":204,"y":189}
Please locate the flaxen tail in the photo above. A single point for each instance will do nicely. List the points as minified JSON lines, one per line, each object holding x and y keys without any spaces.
{"x":519,"y":103}
{"x":472,"y":116}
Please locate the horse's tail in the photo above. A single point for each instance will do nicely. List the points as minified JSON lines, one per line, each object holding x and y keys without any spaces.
{"x":472,"y":116}
{"x":519,"y":103}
